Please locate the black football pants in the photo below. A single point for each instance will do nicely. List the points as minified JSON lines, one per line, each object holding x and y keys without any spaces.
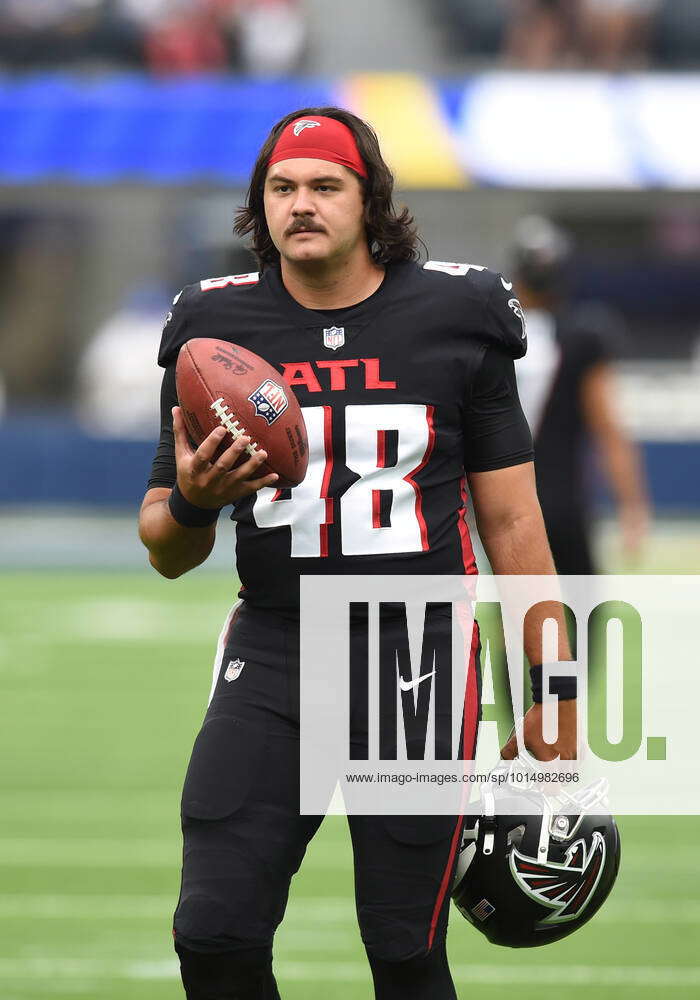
{"x":244,"y":839}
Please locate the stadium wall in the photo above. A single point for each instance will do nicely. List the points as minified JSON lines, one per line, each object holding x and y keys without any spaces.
{"x":52,"y":461}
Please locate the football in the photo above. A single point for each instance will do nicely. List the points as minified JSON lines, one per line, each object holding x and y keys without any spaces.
{"x":224,"y":385}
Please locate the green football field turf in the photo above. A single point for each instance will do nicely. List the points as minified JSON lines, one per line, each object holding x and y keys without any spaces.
{"x":104,"y":679}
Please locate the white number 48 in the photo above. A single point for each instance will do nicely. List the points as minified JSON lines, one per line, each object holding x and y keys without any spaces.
{"x":381,"y":512}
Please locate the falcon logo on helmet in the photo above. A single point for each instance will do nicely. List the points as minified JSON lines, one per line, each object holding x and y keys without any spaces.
{"x":534,"y":867}
{"x":566,"y":888}
{"x":305,"y":123}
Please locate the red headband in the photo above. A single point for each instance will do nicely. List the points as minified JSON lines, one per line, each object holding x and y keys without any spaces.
{"x":319,"y":138}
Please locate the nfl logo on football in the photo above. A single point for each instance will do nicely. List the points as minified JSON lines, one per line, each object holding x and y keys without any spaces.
{"x":334,"y":337}
{"x":270,"y":400}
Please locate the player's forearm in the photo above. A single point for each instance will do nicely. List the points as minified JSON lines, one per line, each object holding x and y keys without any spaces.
{"x":173,"y":549}
{"x":519,"y":546}
{"x":620,"y":455}
{"x":622,"y":463}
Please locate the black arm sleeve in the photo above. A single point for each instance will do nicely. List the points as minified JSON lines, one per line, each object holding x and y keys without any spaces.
{"x":163,"y":470}
{"x":496,"y":433}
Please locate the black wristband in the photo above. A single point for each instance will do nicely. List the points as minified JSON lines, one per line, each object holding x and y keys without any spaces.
{"x":565,"y":688}
{"x":189,"y":516}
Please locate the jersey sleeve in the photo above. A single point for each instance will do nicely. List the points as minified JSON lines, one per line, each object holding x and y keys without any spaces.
{"x":504,"y":319}
{"x":177,"y":328}
{"x":163,"y":470}
{"x":496,"y":433}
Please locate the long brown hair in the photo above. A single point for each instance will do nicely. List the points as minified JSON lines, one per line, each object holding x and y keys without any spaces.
{"x":390,"y":236}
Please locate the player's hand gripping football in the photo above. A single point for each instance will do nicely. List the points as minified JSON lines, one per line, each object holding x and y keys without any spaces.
{"x":209,"y":481}
{"x":565,"y":747}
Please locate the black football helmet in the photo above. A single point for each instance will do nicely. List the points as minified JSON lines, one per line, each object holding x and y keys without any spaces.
{"x":541,"y":254}
{"x":533,"y":868}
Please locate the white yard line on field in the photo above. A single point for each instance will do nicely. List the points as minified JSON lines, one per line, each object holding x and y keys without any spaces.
{"x":117,"y":851}
{"x":37,"y":852}
{"x":119,"y":618}
{"x":88,"y":852}
{"x":515,"y":975}
{"x":681,"y":856}
{"x":88,"y":907}
{"x":303,"y":909}
{"x":569,"y":976}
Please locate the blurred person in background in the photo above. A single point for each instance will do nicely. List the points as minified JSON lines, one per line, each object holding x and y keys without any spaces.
{"x":567,"y":390}
{"x":117,"y":385}
{"x":540,"y":34}
{"x":180,"y":36}
{"x":39,"y":332}
{"x":607,"y":34}
{"x":616,"y":33}
{"x":47,"y":31}
{"x":271,"y":36}
{"x":265,"y":37}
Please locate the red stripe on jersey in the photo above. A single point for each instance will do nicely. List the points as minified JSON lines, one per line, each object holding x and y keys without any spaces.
{"x":381,"y":449}
{"x":328,"y":472}
{"x":471,"y":717}
{"x":468,"y":560}
{"x":429,"y":412}
{"x":456,"y":837}
{"x":376,"y":509}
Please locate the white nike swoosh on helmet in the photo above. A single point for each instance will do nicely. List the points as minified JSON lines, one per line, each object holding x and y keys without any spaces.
{"x":508,"y":285}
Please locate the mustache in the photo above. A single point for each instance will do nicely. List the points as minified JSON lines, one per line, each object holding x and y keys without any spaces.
{"x":303,"y":226}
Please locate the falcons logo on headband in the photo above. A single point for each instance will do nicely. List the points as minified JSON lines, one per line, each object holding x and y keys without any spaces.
{"x":305,"y":123}
{"x":565,"y":888}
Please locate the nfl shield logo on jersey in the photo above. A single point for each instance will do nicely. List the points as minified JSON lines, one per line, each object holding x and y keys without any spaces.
{"x":270,"y":400}
{"x":334,"y":337}
{"x":233,"y":670}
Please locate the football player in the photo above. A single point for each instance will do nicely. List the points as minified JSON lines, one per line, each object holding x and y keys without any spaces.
{"x":567,"y":388}
{"x":405,"y":375}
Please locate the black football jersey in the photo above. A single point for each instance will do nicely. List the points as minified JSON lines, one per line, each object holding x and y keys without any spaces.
{"x":402,"y":394}
{"x":563,"y":348}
